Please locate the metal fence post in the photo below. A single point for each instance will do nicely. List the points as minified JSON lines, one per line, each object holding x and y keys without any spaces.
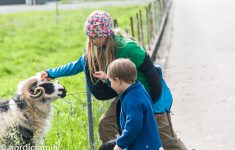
{"x":90,"y":120}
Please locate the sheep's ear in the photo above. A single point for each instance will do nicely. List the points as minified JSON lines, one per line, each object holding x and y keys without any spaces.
{"x":31,"y":91}
{"x":33,"y":87}
{"x":25,"y":87}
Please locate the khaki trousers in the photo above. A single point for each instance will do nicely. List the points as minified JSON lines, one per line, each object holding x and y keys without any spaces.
{"x":108,"y":129}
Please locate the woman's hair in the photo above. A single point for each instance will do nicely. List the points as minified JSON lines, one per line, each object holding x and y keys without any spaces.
{"x":99,"y":24}
{"x":123,"y":69}
{"x":98,"y":59}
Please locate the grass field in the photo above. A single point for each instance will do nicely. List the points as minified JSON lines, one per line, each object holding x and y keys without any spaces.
{"x":34,"y":41}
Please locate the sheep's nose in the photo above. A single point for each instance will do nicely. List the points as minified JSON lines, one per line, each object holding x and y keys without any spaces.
{"x":63,"y":90}
{"x":63,"y":94}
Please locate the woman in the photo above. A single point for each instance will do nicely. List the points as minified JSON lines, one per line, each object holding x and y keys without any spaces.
{"x":104,"y":44}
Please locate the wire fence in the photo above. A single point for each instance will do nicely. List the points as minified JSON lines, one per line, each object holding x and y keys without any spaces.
{"x":69,"y":126}
{"x":75,"y":121}
{"x":147,"y":26}
{"x":78,"y":124}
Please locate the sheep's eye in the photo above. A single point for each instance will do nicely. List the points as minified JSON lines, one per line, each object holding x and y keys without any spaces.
{"x":49,"y":88}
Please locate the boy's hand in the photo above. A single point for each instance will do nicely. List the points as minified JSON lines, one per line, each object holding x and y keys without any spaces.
{"x":101,"y":75}
{"x":117,"y":148}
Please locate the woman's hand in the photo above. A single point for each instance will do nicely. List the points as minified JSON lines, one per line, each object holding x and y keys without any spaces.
{"x":44,"y":76}
{"x":101,"y":75}
{"x":117,"y":148}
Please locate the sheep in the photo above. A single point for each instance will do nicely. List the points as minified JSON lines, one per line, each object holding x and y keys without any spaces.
{"x":25,"y":117}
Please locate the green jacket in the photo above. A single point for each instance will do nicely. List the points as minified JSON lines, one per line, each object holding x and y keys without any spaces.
{"x":127,"y":48}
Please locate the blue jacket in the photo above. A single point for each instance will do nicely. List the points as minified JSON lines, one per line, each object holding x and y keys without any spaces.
{"x":138,"y":124}
{"x":102,"y":91}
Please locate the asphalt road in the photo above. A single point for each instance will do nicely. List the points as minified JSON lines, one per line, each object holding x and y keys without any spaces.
{"x":198,"y":52}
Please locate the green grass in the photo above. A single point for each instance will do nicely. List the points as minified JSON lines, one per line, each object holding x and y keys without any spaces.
{"x":34,"y":41}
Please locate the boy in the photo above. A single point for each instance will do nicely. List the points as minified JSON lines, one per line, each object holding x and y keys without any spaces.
{"x":138,"y":124}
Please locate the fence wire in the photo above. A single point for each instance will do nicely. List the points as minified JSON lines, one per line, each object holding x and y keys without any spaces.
{"x":69,"y":124}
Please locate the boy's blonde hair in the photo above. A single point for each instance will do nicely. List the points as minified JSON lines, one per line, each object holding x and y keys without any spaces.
{"x":123,"y":69}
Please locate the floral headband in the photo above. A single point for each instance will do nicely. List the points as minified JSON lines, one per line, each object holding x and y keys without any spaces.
{"x":98,"y":24}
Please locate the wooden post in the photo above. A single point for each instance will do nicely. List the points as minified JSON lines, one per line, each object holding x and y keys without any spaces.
{"x":138,"y":26}
{"x":115,"y":23}
{"x":127,"y":30}
{"x":151,"y":20}
{"x":132,"y":27}
{"x":147,"y":23}
{"x":155,"y":16}
{"x":57,"y":12}
{"x":159,"y":13}
{"x":162,"y":7}
{"x":141,"y":27}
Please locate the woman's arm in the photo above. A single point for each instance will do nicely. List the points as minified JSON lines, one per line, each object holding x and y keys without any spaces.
{"x":153,"y":78}
{"x":69,"y":69}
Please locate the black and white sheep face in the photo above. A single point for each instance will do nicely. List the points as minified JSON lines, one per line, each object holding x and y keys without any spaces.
{"x":53,"y":90}
{"x":41,"y":91}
